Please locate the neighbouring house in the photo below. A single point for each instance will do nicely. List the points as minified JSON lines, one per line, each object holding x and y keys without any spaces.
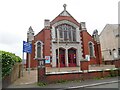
{"x":109,"y":40}
{"x":64,"y":40}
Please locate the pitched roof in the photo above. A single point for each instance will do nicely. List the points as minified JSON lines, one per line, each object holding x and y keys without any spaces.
{"x":64,"y":15}
{"x":111,"y":26}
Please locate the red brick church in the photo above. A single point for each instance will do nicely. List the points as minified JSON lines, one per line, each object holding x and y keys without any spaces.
{"x":66,"y":41}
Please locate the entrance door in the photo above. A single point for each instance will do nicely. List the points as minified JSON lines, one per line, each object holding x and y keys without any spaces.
{"x":62,"y":60}
{"x":72,"y":57}
{"x":61,"y":57}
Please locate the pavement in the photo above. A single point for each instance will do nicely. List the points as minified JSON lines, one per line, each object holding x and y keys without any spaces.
{"x":31,"y":77}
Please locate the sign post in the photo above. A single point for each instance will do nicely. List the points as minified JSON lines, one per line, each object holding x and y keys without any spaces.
{"x":27,"y":47}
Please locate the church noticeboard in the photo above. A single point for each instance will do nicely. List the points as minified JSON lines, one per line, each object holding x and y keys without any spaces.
{"x":47,"y":59}
{"x":87,"y":57}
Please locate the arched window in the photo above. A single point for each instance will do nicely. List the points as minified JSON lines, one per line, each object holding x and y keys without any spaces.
{"x":91,"y":49}
{"x":66,"y":32}
{"x":38,"y":50}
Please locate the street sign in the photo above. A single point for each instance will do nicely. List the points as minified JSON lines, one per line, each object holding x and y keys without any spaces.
{"x":27,"y":47}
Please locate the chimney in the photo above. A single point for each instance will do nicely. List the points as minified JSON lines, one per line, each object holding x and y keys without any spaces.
{"x":46,"y":23}
{"x":83,"y":26}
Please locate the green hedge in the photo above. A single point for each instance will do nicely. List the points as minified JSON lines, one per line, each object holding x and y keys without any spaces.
{"x":8,"y":61}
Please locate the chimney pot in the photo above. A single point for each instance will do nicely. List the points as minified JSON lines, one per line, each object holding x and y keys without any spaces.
{"x":46,"y":23}
{"x":83,"y":25}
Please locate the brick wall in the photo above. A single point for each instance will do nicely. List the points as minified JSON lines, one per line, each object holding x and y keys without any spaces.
{"x":43,"y":36}
{"x":84,"y":65}
{"x":53,"y":78}
{"x":86,"y":37}
{"x":113,"y":62}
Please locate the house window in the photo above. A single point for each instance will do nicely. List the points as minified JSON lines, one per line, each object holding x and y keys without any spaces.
{"x":38,"y":50}
{"x":119,"y":51}
{"x":66,"y":32}
{"x":74,"y":35}
{"x":91,"y":49}
{"x":110,"y":52}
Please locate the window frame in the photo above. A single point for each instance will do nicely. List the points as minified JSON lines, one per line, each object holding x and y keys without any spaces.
{"x":93,"y":50}
{"x":66,"y":30}
{"x":36,"y":49}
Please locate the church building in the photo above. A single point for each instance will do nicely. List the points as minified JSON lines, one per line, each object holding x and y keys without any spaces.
{"x":64,"y":42}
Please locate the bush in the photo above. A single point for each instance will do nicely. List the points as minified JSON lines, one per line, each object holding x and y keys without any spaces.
{"x":8,"y":61}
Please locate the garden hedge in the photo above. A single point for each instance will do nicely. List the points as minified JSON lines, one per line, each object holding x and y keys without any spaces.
{"x":8,"y":60}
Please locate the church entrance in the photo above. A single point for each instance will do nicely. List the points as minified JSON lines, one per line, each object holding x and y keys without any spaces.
{"x":61,"y":57}
{"x":72,"y":57}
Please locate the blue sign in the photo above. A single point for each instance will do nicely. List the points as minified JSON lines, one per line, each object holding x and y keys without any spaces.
{"x":27,"y":47}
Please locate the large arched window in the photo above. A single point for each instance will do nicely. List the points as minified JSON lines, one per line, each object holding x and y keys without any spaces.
{"x":66,"y":32}
{"x":91,"y":49}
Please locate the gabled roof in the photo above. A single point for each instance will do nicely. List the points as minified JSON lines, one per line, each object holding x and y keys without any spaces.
{"x":111,"y":26}
{"x":64,"y":15}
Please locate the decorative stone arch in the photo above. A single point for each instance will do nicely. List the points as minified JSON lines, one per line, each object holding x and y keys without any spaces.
{"x":38,"y":49}
{"x":91,"y":49}
{"x":65,"y":22}
{"x":61,"y":48}
{"x":76,"y":31}
{"x":72,"y":48}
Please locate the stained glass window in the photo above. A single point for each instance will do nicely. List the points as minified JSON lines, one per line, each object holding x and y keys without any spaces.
{"x":66,"y":32}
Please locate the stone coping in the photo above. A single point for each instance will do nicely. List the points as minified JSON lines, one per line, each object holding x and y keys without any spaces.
{"x":85,"y":71}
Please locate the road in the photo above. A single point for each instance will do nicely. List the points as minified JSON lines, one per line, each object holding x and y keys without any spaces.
{"x":110,"y":85}
{"x":101,"y":83}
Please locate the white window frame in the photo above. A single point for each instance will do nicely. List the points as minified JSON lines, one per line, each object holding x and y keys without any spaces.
{"x":92,"y":47}
{"x":36,"y":48}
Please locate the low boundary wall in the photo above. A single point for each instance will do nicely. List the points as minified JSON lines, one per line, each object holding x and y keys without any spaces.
{"x":113,"y":62}
{"x":15,"y":74}
{"x":56,"y":77}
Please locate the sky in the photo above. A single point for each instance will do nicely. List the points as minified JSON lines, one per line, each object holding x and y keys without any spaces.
{"x":16,"y":16}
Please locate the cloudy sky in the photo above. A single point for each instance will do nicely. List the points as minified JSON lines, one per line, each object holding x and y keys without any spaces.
{"x":16,"y":16}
